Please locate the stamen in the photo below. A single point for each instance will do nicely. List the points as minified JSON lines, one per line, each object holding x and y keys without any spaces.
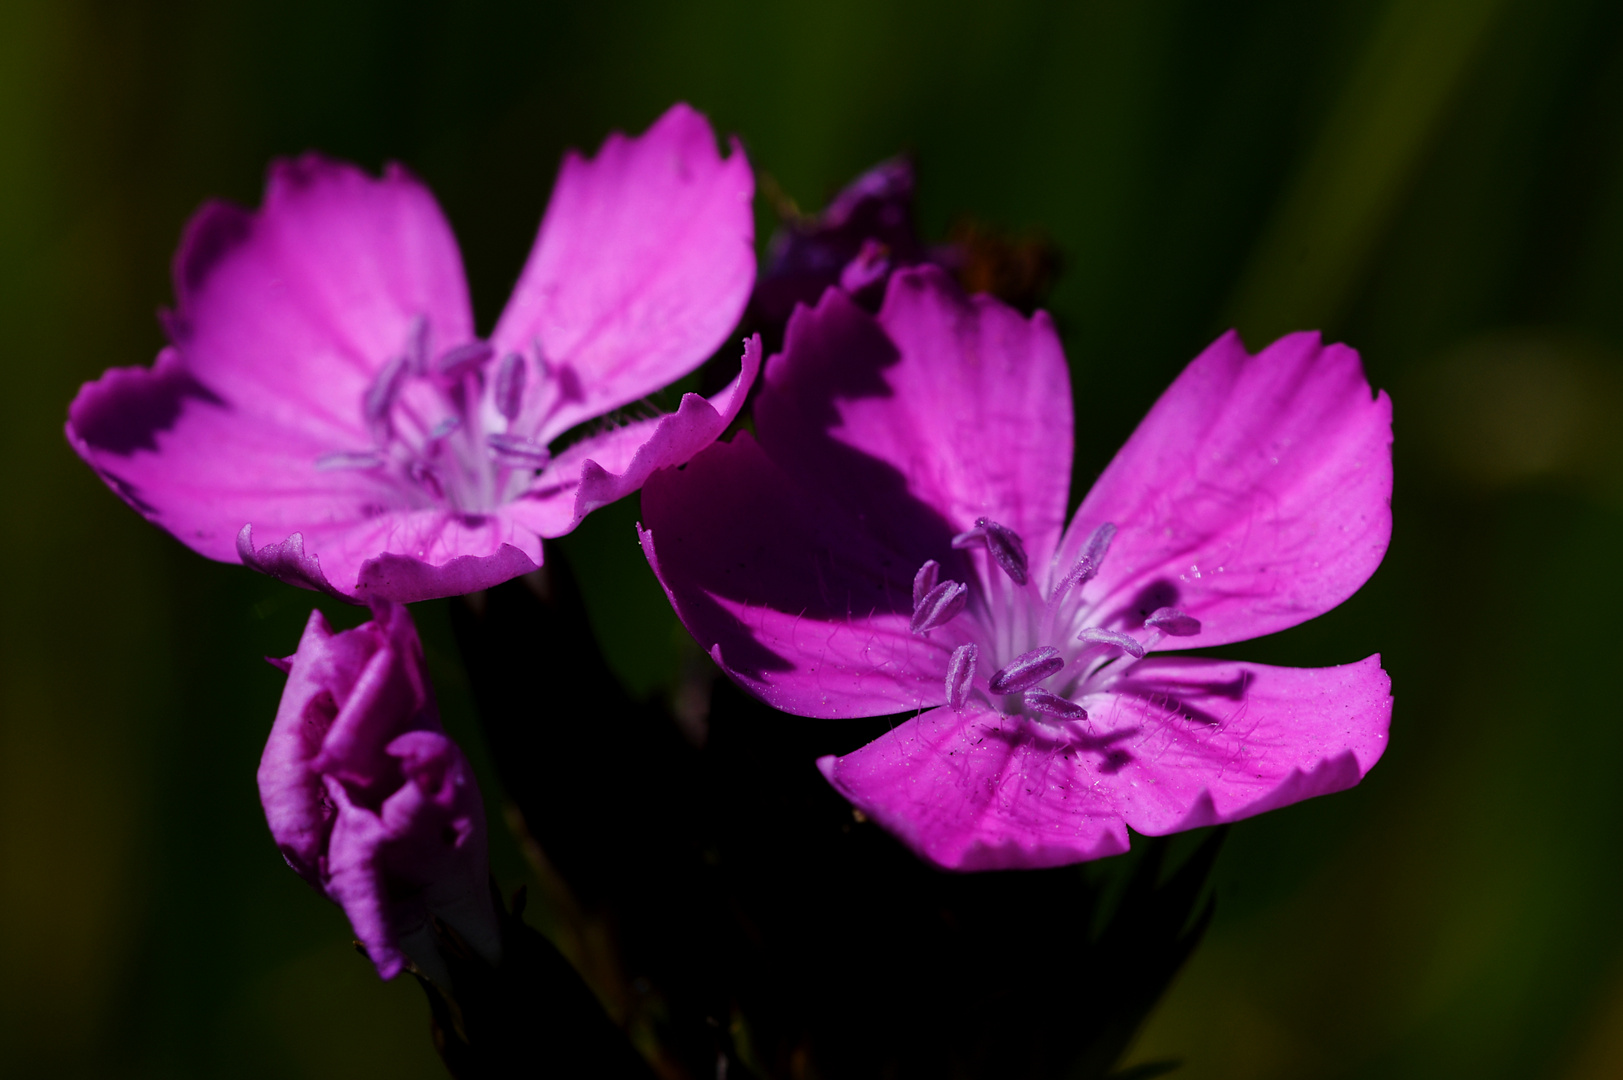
{"x":1087,"y":564}
{"x":1027,"y":670}
{"x":925,"y":580}
{"x":1098,"y":635}
{"x":517,"y":451}
{"x":939,"y":606}
{"x":1004,"y":543}
{"x":464,"y":359}
{"x":349,"y":459}
{"x":960,"y":674}
{"x":417,"y":345}
{"x":1172,"y":622}
{"x":1053,"y":705}
{"x":510,"y":375}
{"x":381,"y":394}
{"x":444,"y":427}
{"x":425,"y":477}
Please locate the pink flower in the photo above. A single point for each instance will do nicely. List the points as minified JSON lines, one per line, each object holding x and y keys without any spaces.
{"x":325,"y":393}
{"x":894,"y":539}
{"x":370,"y":801}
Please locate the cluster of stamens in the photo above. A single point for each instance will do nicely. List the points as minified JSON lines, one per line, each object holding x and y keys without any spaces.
{"x":1097,"y":655}
{"x":435,"y":447}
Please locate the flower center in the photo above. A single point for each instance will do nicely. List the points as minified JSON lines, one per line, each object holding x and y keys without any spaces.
{"x":435,"y":441}
{"x":1047,"y":639}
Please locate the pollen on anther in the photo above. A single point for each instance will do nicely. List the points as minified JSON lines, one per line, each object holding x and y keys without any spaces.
{"x":1027,"y":670}
{"x":513,"y":450}
{"x":509,"y":388}
{"x":925,"y":580}
{"x":464,"y":359}
{"x":940,"y":606}
{"x":961,"y":675}
{"x":1173,"y":622}
{"x":1002,"y":542}
{"x":1050,"y":704}
{"x":1098,"y":635}
{"x":349,"y":459}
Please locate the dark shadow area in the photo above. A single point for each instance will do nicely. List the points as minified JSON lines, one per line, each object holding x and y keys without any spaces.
{"x":771,"y":925}
{"x":125,"y":411}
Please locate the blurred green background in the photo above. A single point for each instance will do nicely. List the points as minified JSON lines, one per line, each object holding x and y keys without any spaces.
{"x":1437,"y":182}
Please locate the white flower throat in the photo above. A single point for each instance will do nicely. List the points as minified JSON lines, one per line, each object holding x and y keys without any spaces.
{"x":434,"y":442}
{"x":1034,"y":639}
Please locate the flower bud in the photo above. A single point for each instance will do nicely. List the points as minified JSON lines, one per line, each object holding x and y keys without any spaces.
{"x":370,"y":801}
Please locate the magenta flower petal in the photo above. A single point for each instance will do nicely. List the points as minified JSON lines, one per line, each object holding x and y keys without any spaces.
{"x":967,"y":400}
{"x":264,"y":378}
{"x":970,"y":790}
{"x":443,"y":554}
{"x":605,"y":467}
{"x":369,"y":800}
{"x":1255,"y":495}
{"x":354,"y":880}
{"x":1210,"y":741}
{"x":643,"y":263}
{"x":325,"y":387}
{"x":324,"y":669}
{"x":796,"y":556}
{"x":290,"y":312}
{"x":421,"y":853}
{"x":791,"y":596}
{"x":1182,"y":743}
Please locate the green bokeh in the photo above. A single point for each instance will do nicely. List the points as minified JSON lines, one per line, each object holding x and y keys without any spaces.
{"x":1438,"y":182}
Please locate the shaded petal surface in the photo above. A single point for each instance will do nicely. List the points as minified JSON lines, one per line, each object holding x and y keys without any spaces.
{"x":967,"y":401}
{"x":1179,"y":744}
{"x":788,"y":590}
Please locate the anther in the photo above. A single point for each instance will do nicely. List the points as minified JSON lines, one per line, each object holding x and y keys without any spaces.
{"x":513,"y":450}
{"x":960,"y":675}
{"x":463,"y":359}
{"x":1027,"y":670}
{"x":1087,"y":564}
{"x":444,"y":428}
{"x":939,"y":606}
{"x":925,"y":580}
{"x":1005,"y":545}
{"x":417,"y":345}
{"x":1173,"y":623}
{"x":381,"y":394}
{"x":1053,"y":705}
{"x":509,"y":389}
{"x":349,"y":459}
{"x":1098,"y":635}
